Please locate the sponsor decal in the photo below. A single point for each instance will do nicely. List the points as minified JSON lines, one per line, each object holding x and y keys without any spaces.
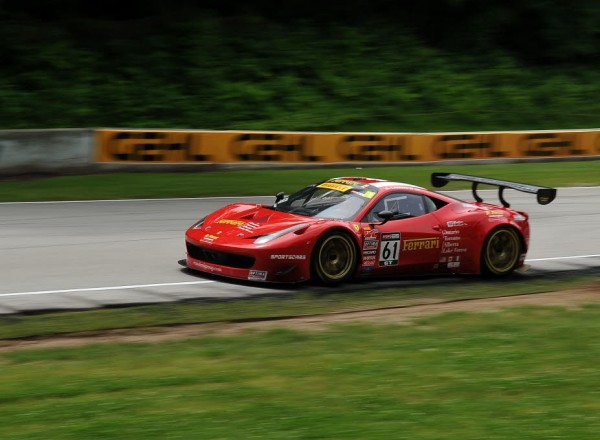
{"x":210,"y":237}
{"x":288,"y":257}
{"x":544,"y":200}
{"x":450,"y":262}
{"x":260,"y":275}
{"x":452,"y":250}
{"x":249,"y":227}
{"x":371,"y":252}
{"x":452,"y":238}
{"x":206,"y":267}
{"x":548,"y":144}
{"x":455,"y":223}
{"x":370,"y":244}
{"x":335,"y":186}
{"x":156,"y":146}
{"x":390,"y":249}
{"x":495,"y":217}
{"x":417,"y":244}
{"x":347,"y":182}
{"x":467,"y":146}
{"x":270,"y":147}
{"x":374,"y":147}
{"x":369,"y":259}
{"x":368,"y":194}
{"x":495,"y":212}
{"x":371,"y":234}
{"x":450,"y":232}
{"x":225,"y":221}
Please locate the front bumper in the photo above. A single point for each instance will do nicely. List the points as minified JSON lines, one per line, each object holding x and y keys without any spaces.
{"x":265,"y":263}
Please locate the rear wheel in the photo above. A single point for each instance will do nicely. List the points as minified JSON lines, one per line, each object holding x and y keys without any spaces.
{"x":500,"y":253}
{"x":334,"y":258}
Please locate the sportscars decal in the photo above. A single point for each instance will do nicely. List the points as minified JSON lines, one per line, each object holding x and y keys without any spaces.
{"x":390,"y":249}
{"x":288,"y":257}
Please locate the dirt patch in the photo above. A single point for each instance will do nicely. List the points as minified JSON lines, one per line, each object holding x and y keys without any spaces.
{"x":569,"y":298}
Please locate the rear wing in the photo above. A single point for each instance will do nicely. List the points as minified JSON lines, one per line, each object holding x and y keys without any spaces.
{"x":544,"y":195}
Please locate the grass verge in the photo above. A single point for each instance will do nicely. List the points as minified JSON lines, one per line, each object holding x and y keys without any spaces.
{"x":526,"y":373}
{"x":296,"y":304}
{"x":265,"y":182}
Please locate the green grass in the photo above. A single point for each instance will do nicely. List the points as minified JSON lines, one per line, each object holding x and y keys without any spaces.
{"x":265,"y":182}
{"x":305,"y":302}
{"x":525,"y":373}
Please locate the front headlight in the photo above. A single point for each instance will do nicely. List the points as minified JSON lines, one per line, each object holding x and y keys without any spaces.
{"x":199,"y":223}
{"x":267,"y":238}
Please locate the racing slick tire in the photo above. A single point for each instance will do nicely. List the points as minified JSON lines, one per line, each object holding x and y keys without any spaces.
{"x":334,"y":258}
{"x":500,"y":253}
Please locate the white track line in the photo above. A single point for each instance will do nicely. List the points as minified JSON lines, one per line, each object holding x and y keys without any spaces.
{"x":96,"y":289}
{"x":189,"y":283}
{"x":565,"y":258}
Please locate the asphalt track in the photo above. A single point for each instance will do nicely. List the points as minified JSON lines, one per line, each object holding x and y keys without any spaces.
{"x":88,"y":254}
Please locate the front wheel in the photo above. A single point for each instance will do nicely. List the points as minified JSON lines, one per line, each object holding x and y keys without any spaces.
{"x":334,"y":258}
{"x":500,"y":253}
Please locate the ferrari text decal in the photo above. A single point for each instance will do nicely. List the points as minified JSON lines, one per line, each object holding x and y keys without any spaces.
{"x":390,"y":249}
{"x":417,"y":244}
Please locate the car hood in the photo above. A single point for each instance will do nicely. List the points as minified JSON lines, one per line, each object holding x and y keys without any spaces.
{"x":243,"y":221}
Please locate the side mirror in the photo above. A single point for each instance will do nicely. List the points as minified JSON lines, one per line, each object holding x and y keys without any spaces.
{"x":385,"y":215}
{"x":279,"y":196}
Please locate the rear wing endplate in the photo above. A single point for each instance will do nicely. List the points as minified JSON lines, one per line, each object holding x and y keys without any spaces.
{"x":544,"y":195}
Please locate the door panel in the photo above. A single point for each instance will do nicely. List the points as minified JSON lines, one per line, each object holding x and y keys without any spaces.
{"x":403,"y":245}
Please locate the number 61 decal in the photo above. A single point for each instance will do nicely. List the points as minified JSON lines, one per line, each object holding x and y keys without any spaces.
{"x":390,"y":249}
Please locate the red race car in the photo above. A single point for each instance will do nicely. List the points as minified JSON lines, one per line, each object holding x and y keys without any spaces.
{"x":358,"y":226}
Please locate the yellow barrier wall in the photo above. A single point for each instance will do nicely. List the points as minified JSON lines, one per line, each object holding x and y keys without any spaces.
{"x":192,"y":146}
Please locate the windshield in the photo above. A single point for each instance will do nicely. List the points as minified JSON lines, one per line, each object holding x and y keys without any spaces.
{"x":335,"y":199}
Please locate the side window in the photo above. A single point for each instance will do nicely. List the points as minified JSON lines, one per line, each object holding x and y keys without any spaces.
{"x":434,"y":204}
{"x":404,"y":203}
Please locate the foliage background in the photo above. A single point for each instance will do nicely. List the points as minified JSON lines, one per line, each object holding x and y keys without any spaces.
{"x":379,"y":65}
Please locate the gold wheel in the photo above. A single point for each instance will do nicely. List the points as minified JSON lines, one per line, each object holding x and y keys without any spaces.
{"x":501,"y":252}
{"x":334,"y":258}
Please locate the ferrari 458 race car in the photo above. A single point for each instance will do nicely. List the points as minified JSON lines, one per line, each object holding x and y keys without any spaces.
{"x":333,"y":230}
